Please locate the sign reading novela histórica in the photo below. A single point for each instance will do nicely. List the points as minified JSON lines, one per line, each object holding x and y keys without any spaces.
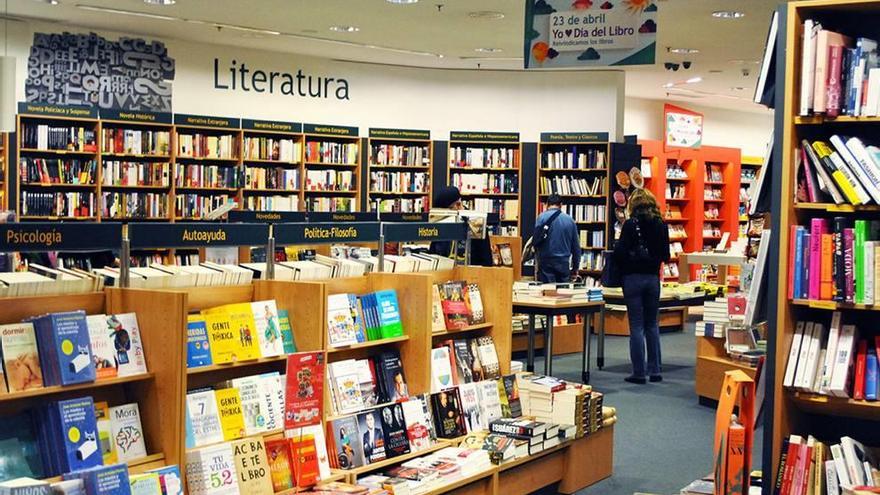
{"x":91,"y":71}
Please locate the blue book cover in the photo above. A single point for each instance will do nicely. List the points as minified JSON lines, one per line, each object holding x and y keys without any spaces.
{"x":43,"y":333}
{"x":169,"y":478}
{"x":367,"y":310}
{"x":198,"y":349}
{"x":104,"y":480}
{"x":374,"y":316}
{"x":72,"y":348}
{"x":798,"y":260}
{"x":78,"y":434}
{"x":805,"y":277}
{"x":389,"y":314}
{"x":359,"y":326}
{"x":871,"y":376}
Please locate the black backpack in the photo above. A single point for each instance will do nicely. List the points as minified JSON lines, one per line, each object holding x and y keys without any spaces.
{"x":539,"y":238}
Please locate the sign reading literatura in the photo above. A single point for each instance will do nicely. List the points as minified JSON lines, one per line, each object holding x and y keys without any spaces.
{"x":207,"y":121}
{"x":330,"y":130}
{"x":271,"y":126}
{"x":54,"y":236}
{"x":171,"y":235}
{"x":245,"y":216}
{"x":574,"y":137}
{"x":342,"y":216}
{"x":376,"y":133}
{"x":424,"y":231}
{"x":237,"y":75}
{"x":589,"y":33}
{"x":322,"y":233}
{"x":136,"y":116}
{"x":484,"y":137}
{"x":51,"y":109}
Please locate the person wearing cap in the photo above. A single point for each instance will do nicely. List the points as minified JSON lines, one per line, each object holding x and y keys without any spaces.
{"x":449,"y":197}
{"x":560,"y":255}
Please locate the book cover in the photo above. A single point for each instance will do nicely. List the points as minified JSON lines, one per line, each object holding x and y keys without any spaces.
{"x":280,"y":469}
{"x":502,"y":398}
{"x":287,"y":340}
{"x":357,"y":316}
{"x":305,"y":470}
{"x":198,"y":349}
{"x":244,"y":328}
{"x":517,"y":428}
{"x":252,"y":466}
{"x":464,"y":362}
{"x":304,"y":397}
{"x":323,"y":454}
{"x":394,"y":428}
{"x":455,"y":310}
{"x":798,"y":261}
{"x":438,"y":324}
{"x":230,"y":413}
{"x":871,"y":376}
{"x":68,"y":334}
{"x":202,"y":412}
{"x":21,"y":357}
{"x":105,"y":433}
{"x":78,"y":433}
{"x":252,"y":403}
{"x":488,"y":358}
{"x":805,"y":267}
{"x":818,"y":227}
{"x":145,"y":484}
{"x":849,"y":288}
{"x":268,"y":328}
{"x":104,"y":480}
{"x":345,"y":435}
{"x":860,"y":232}
{"x":858,"y":392}
{"x":441,"y":369}
{"x":490,"y":401}
{"x":512,"y":389}
{"x":474,"y":300}
{"x":169,"y":479}
{"x":272,"y":400}
{"x":372,"y":436}
{"x":470,"y":406}
{"x":826,"y":276}
{"x":394,"y":387}
{"x":211,"y":471}
{"x":390,"y":324}
{"x":222,"y":338}
{"x":340,"y":324}
{"x":419,"y":427}
{"x":127,"y":341}
{"x":448,"y":420}
{"x":103,"y":350}
{"x":127,"y":432}
{"x":839,"y":225}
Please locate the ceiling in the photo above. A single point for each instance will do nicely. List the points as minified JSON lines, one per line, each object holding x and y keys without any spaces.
{"x":440,"y":34}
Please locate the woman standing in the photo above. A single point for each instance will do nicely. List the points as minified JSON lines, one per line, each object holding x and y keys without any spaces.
{"x":642,"y":247}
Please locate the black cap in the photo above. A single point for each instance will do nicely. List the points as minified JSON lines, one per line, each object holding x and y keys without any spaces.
{"x":446,"y":196}
{"x":554,"y":200}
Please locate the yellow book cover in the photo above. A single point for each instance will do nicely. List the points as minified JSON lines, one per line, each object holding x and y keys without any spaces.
{"x":229,"y":410}
{"x":222,"y":337}
{"x":105,"y":433}
{"x":252,"y":466}
{"x":243,"y":327}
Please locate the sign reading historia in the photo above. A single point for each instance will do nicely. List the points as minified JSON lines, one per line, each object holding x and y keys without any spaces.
{"x":92,"y":71}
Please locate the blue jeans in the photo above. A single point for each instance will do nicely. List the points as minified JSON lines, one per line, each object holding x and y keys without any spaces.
{"x":641,"y":292}
{"x":552,"y":270}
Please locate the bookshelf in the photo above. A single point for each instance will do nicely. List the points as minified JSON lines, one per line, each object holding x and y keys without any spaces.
{"x":491,"y":162}
{"x":575,"y":165}
{"x":272,"y":160}
{"x":796,"y":412}
{"x":332,"y":161}
{"x":399,"y":170}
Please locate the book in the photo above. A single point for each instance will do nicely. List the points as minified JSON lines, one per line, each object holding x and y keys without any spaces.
{"x":517,"y":428}
{"x":268,"y":328}
{"x":21,"y":357}
{"x":474,"y":301}
{"x":254,"y":403}
{"x":871,"y":375}
{"x":103,"y":351}
{"x":65,"y":351}
{"x":392,"y":386}
{"x":230,"y":413}
{"x":280,"y":466}
{"x":198,"y":348}
{"x":441,"y":369}
{"x":204,"y":419}
{"x":394,"y":428}
{"x":24,"y":486}
{"x":252,"y":466}
{"x":372,"y":436}
{"x":169,"y":479}
{"x":470,"y":406}
{"x":463,"y":360}
{"x":321,"y":449}
{"x":488,"y":357}
{"x":340,"y":322}
{"x":288,"y":342}
{"x":222,"y":338}
{"x":490,"y":401}
{"x":455,"y":310}
{"x":347,"y":443}
{"x":344,"y":379}
{"x":390,"y":324}
{"x":448,"y":420}
{"x":105,"y":433}
{"x":438,"y":324}
{"x":419,"y":426}
{"x":211,"y":471}
{"x":502,"y":398}
{"x":304,"y":399}
{"x":104,"y":480}
{"x":305,"y":470}
{"x":75,"y":431}
{"x":512,"y":390}
{"x":127,"y":432}
{"x":145,"y":484}
{"x":127,"y":342}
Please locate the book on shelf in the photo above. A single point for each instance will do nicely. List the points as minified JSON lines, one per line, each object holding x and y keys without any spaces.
{"x":203,"y":419}
{"x":68,"y":171}
{"x":573,"y":159}
{"x":65,"y":349}
{"x":58,"y":137}
{"x":572,"y":185}
{"x":68,"y":435}
{"x":399,"y":155}
{"x":303,"y":399}
{"x":211,"y":470}
{"x":198,"y":349}
{"x":355,"y":319}
{"x":331,"y":152}
{"x":448,"y":415}
{"x":273,"y":202}
{"x":809,"y":465}
{"x":127,"y":434}
{"x":135,"y":141}
{"x":280,"y":464}
{"x":199,"y":145}
{"x":58,"y":204}
{"x":125,"y":173}
{"x":251,"y":465}
{"x":230,"y":413}
{"x":394,"y":429}
{"x":103,"y":480}
{"x":21,"y":358}
{"x":272,"y":149}
{"x":330,"y":204}
{"x":144,"y":484}
{"x":399,"y":182}
{"x":330,"y":180}
{"x":486,"y":183}
{"x":106,"y":439}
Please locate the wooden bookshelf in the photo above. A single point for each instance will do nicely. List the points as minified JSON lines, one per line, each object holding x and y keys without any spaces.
{"x":405,"y":144}
{"x":314,"y":136}
{"x":459,"y":144}
{"x":265,"y":161}
{"x":712,"y":363}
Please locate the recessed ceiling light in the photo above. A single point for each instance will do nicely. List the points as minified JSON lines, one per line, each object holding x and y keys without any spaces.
{"x":486,"y":15}
{"x":488,"y":50}
{"x":160,"y":2}
{"x":345,"y":29}
{"x":402,"y":2}
{"x":50,"y":2}
{"x":694,"y":80}
{"x":684,"y":51}
{"x":728,"y":14}
{"x":148,"y":15}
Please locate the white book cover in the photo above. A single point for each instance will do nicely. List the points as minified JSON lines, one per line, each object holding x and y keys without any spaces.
{"x":470,"y":406}
{"x":840,"y":465}
{"x":268,"y":328}
{"x":832,"y":487}
{"x":830,"y":352}
{"x":103,"y":346}
{"x":346,"y":384}
{"x":853,"y":455}
{"x":809,"y":329}
{"x":872,"y":100}
{"x":441,"y":369}
{"x":840,"y":376}
{"x":250,"y":393}
{"x":272,"y":400}
{"x":127,"y":433}
{"x":490,"y":401}
{"x":317,"y":431}
{"x":211,"y":471}
{"x":870,"y":249}
{"x":340,"y":323}
{"x":793,"y":354}
{"x":419,"y":428}
{"x":856,"y":157}
{"x":808,"y":64}
{"x":127,"y":342}
{"x":204,"y":417}
{"x":816,"y":341}
{"x":841,"y":165}
{"x":820,"y":369}
{"x":21,"y":357}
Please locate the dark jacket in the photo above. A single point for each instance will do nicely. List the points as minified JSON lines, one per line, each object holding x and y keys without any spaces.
{"x":481,"y":251}
{"x":564,"y":240}
{"x":655,"y":235}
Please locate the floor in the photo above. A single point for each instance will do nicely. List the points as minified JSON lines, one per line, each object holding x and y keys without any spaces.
{"x":663,"y":437}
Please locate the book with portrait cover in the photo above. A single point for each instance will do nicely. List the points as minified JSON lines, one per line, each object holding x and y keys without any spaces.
{"x":304,"y":397}
{"x":268,"y":328}
{"x":448,"y":420}
{"x":392,"y":386}
{"x":372,"y":436}
{"x":348,"y":450}
{"x":394,"y":427}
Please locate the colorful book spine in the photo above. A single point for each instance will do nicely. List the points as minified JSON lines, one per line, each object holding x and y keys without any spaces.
{"x":798,"y":261}
{"x":805,"y":267}
{"x":860,"y":230}
{"x":871,"y":376}
{"x":839,"y":258}
{"x":858,"y":392}
{"x":848,"y":262}
{"x":818,"y":227}
{"x":826,"y":273}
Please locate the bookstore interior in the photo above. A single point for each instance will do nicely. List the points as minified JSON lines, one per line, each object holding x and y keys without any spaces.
{"x":274,"y":247}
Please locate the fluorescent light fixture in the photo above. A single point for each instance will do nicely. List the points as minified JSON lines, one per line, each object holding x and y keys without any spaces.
{"x":728,"y":14}
{"x":50,"y":2}
{"x":492,"y":59}
{"x":669,"y":85}
{"x":160,"y":2}
{"x":345,"y":29}
{"x":247,"y":29}
{"x":683,"y":51}
{"x":488,"y":50}
{"x":744,"y":61}
{"x":694,"y":80}
{"x":403,"y":2}
{"x":486,"y":15}
{"x":715,"y":71}
{"x":737,"y":88}
{"x":105,"y":10}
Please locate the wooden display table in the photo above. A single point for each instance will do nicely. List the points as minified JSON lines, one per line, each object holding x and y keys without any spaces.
{"x":712,"y":363}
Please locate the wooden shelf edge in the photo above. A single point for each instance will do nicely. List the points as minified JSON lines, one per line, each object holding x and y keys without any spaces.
{"x":229,"y":366}
{"x":58,"y":389}
{"x":441,"y":444}
{"x":469,"y":328}
{"x":369,"y":343}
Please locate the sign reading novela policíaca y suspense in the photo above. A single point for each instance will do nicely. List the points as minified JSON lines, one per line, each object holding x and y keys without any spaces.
{"x":572,"y":33}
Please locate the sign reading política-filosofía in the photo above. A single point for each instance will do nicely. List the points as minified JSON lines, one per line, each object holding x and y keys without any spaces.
{"x":589,"y":33}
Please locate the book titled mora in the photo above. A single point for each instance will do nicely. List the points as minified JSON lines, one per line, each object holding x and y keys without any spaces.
{"x":198,"y":349}
{"x":389,"y":314}
{"x":127,"y":433}
{"x":78,"y":432}
{"x":517,"y":428}
{"x":65,"y":337}
{"x":304,"y":397}
{"x":104,"y":480}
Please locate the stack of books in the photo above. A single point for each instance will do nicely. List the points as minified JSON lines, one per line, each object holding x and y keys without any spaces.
{"x":41,"y":280}
{"x":715,"y":319}
{"x":430,"y":472}
{"x":807,"y":465}
{"x":161,"y":276}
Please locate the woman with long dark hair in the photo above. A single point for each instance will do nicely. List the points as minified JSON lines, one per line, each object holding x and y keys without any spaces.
{"x":642,"y":247}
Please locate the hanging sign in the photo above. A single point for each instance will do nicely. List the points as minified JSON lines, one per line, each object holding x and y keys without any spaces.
{"x":322,"y":233}
{"x":683,"y":128}
{"x":60,"y":236}
{"x":196,"y":234}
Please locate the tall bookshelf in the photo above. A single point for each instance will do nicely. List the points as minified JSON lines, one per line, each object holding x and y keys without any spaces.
{"x":203,"y":178}
{"x":333,"y":153}
{"x":61,"y":138}
{"x":399,"y":170}
{"x":827,"y":418}
{"x":575,"y":165}
{"x":272,"y":160}
{"x":496,"y":158}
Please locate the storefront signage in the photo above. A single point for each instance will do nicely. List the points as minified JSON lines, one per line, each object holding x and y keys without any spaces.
{"x":440,"y":231}
{"x":206,"y":121}
{"x":484,"y":137}
{"x":322,"y":233}
{"x":399,"y":134}
{"x":244,"y":216}
{"x":584,"y":33}
{"x":136,"y":116}
{"x":90,"y":70}
{"x":271,"y":126}
{"x":58,"y":236}
{"x":330,"y":130}
{"x":237,"y":75}
{"x":574,"y":137}
{"x":196,"y":234}
{"x":683,"y":127}
{"x":52,"y":110}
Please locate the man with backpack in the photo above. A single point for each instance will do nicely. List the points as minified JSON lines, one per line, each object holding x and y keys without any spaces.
{"x":556,"y":242}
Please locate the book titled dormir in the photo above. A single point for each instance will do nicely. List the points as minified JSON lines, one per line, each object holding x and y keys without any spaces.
{"x":21,"y":359}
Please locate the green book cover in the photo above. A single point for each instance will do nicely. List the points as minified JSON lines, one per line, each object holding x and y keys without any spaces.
{"x":389,"y":314}
{"x":286,"y":332}
{"x":861,"y":230}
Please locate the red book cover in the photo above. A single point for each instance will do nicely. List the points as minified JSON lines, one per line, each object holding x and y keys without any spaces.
{"x":304,"y":391}
{"x":792,"y":235}
{"x":791,"y":461}
{"x":736,"y":304}
{"x":305,"y":460}
{"x":826,"y":277}
{"x":832,"y":98}
{"x":278,"y":454}
{"x":858,"y":392}
{"x":736,"y":448}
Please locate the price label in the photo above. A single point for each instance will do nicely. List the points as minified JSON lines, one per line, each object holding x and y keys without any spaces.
{"x":830,"y":305}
